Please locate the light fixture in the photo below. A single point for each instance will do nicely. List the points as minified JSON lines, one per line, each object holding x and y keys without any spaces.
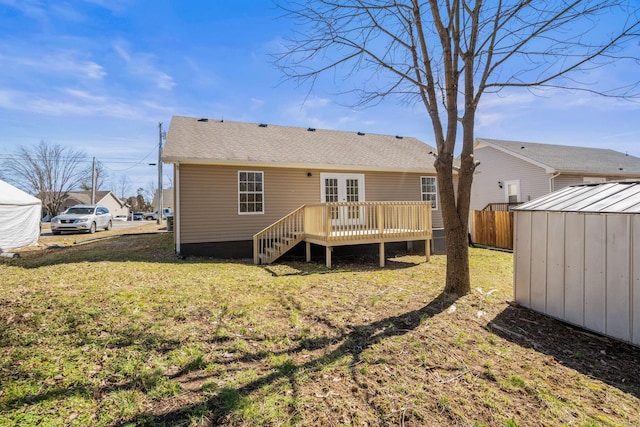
{"x":500,"y":184}
{"x":309,"y":174}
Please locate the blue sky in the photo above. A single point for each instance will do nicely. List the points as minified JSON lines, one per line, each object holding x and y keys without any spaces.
{"x":99,"y":75}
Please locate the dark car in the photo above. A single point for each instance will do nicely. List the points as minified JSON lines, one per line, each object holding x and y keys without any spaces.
{"x":136,"y":216}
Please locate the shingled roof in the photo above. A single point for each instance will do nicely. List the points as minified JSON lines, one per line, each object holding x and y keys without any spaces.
{"x":569,"y":159}
{"x":192,"y":140}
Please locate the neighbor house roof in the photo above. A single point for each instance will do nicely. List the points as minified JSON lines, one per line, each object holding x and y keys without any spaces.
{"x":609,"y":197}
{"x":568,"y":159}
{"x":84,"y":197}
{"x":204,"y":141}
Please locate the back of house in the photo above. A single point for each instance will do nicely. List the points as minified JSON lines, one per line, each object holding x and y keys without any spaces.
{"x":233,"y":179}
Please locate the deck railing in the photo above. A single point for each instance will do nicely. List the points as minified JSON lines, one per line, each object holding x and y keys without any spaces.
{"x":501,"y":206}
{"x":346,"y":223}
{"x":351,"y":222}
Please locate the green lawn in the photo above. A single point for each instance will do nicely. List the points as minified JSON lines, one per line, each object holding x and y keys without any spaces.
{"x":121,"y":332}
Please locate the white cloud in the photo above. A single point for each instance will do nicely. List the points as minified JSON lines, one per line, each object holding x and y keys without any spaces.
{"x":256,"y":103}
{"x":74,"y":102}
{"x":30,"y":8}
{"x":140,"y":64}
{"x":61,"y":62}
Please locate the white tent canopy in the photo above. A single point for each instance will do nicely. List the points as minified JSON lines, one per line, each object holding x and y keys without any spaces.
{"x":19,"y":218}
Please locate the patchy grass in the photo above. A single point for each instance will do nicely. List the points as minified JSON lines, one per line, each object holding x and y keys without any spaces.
{"x":119,"y":331}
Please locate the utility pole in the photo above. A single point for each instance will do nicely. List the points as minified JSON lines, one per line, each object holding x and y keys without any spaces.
{"x":159,"y":221}
{"x":93,"y":182}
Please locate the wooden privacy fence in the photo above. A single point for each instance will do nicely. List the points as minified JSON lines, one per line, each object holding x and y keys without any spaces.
{"x":493,"y":228}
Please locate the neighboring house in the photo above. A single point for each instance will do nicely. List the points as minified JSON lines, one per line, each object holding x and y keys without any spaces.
{"x":167,"y":198}
{"x":104,"y":198}
{"x":233,"y":179}
{"x":512,"y":171}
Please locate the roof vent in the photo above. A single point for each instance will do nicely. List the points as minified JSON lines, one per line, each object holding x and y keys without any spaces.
{"x":360,"y":133}
{"x":311,"y":129}
{"x":398,"y":137}
{"x":263,"y":125}
{"x":204,"y":119}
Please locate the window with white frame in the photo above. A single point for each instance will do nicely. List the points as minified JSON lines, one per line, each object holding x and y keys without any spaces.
{"x":250,"y":192}
{"x":429,"y":190}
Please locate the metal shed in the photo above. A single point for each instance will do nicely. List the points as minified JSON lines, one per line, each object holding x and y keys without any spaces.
{"x":577,"y":257}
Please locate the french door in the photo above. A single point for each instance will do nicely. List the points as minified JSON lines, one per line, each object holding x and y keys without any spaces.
{"x":343,"y":187}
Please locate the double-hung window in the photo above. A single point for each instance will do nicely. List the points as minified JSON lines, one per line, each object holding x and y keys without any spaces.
{"x":250,"y":192}
{"x":429,"y":190}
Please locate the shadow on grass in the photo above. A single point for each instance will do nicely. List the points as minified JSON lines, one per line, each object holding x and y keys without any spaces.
{"x":353,"y":344}
{"x":599,"y":357}
{"x":158,"y":248}
{"x":299,"y":268}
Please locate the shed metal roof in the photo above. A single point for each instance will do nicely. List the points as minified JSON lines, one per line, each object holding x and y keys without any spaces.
{"x":608,"y":197}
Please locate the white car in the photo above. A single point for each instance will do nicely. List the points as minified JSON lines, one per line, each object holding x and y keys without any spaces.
{"x":154,"y":215}
{"x":120,"y":218}
{"x":85,"y":218}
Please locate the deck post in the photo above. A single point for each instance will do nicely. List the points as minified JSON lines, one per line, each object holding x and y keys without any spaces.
{"x":256,"y":258}
{"x":308,"y":251}
{"x":427,"y":249}
{"x":381,"y":254}
{"x":328,"y":256}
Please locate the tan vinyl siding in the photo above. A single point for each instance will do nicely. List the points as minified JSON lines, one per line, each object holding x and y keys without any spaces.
{"x":209,"y":198}
{"x":497,"y":166}
{"x":397,"y":187}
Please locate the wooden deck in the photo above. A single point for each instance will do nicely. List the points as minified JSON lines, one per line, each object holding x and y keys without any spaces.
{"x":341,"y":224}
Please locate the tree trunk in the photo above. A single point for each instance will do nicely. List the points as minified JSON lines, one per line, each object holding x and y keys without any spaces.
{"x":458,"y":279}
{"x":456,"y":232}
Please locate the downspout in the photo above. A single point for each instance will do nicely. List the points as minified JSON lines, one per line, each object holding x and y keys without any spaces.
{"x":176,"y":215}
{"x":551,"y":179}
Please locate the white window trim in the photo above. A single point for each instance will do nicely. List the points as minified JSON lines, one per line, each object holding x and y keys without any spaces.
{"x":435,"y":181}
{"x":506,"y":190}
{"x":262,"y":192}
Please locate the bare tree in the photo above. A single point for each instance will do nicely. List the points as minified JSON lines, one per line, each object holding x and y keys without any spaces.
{"x":445,"y":54}
{"x":47,"y":170}
{"x":101,"y":177}
{"x":150,"y":193}
{"x":123,"y":186}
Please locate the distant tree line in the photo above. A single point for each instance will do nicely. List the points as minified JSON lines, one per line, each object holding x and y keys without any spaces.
{"x":51,"y":171}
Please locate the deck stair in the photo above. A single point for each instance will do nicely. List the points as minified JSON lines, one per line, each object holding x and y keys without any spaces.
{"x":278,"y":238}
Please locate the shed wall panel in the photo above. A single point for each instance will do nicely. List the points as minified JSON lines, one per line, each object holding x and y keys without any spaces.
{"x":574,"y":245}
{"x":595,"y":273}
{"x":555,"y":265}
{"x":618,"y":268}
{"x":635,"y":285}
{"x":539,"y":261}
{"x":592,"y":260}
{"x":522,"y":258}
